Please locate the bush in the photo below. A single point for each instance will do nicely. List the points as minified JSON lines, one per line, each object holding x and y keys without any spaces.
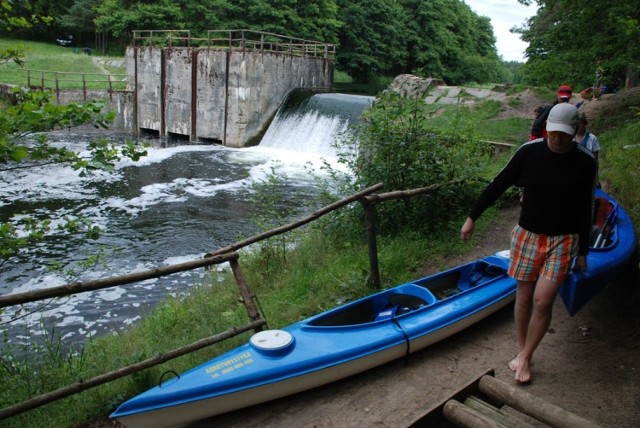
{"x":397,"y":145}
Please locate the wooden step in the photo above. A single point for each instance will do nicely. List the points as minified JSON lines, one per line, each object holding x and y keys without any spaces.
{"x":487,"y":402}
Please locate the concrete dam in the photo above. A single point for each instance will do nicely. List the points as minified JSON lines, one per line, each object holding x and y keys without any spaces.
{"x":224,"y":89}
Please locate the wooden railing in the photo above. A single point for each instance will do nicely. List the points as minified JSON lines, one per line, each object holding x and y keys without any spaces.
{"x":59,"y":81}
{"x":366,"y":198}
{"x":236,"y":40}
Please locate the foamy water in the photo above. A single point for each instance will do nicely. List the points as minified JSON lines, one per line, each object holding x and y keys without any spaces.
{"x":172,"y":206}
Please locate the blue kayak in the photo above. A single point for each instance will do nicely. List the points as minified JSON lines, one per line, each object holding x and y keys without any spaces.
{"x":329,"y":346}
{"x":613,"y":246}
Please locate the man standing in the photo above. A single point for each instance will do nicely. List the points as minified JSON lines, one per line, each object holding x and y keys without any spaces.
{"x":538,"y":129}
{"x":558,"y":179}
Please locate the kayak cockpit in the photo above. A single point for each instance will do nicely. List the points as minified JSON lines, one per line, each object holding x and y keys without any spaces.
{"x":378,"y":307}
{"x":411,"y":296}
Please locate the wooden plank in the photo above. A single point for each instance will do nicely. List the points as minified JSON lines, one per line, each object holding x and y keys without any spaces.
{"x":495,"y":413}
{"x":466,"y":417}
{"x":531,"y":405}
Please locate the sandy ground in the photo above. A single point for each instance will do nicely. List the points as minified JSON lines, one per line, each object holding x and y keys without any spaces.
{"x":588,"y":364}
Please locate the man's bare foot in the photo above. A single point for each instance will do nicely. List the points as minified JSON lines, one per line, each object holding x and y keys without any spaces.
{"x":523,"y":371}
{"x":513,"y":364}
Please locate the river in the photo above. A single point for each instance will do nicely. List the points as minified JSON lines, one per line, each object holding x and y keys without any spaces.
{"x":172,"y":206}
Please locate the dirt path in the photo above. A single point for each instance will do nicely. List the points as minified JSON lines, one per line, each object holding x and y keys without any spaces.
{"x":588,"y":364}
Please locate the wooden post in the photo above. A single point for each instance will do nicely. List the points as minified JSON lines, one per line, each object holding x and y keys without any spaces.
{"x":57,"y":88}
{"x":84,"y":88}
{"x":466,"y":417}
{"x":531,"y":405}
{"x":247,"y":299}
{"x":495,"y":413}
{"x":370,"y":217}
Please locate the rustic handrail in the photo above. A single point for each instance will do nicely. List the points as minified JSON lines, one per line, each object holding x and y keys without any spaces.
{"x":84,"y":286}
{"x":287,"y":227}
{"x":368,"y":204}
{"x":237,"y":40}
{"x":61,"y":81}
{"x":83,"y":385}
{"x":365,"y":197}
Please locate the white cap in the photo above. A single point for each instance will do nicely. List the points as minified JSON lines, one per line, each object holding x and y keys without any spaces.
{"x":563,"y":117}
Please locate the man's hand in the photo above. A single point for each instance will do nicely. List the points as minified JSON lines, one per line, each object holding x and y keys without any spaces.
{"x":467,"y":229}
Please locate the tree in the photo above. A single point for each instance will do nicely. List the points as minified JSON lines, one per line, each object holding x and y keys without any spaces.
{"x":119,"y":19}
{"x":20,"y":17}
{"x":446,"y":39}
{"x":80,"y":17}
{"x":314,"y":19}
{"x":567,"y":36}
{"x":371,"y":39}
{"x":395,"y":143}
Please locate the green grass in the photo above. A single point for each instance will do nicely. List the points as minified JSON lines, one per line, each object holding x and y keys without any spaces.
{"x":47,"y":63}
{"x":318,"y":276}
{"x":481,"y":120}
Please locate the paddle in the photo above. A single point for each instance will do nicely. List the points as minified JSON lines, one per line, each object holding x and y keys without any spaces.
{"x":607,"y":228}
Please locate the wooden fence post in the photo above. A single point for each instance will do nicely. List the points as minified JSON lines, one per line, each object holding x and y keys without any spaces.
{"x":372,"y":242}
{"x":247,"y":299}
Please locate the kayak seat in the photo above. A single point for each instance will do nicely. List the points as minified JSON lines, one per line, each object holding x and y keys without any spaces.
{"x":442,"y":286}
{"x":601,"y":209}
{"x":480,"y":273}
{"x":385,"y":307}
{"x":406,"y":301}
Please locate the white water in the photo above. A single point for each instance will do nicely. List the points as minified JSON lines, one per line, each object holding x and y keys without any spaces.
{"x":174,"y":205}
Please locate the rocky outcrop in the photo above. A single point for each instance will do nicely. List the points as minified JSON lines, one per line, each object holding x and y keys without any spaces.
{"x":409,"y":85}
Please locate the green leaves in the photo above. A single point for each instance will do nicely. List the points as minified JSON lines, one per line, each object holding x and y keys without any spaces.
{"x":396,"y":144}
{"x":567,"y":36}
{"x":24,"y":144}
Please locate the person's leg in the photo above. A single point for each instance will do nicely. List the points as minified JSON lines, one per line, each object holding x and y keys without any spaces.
{"x":543,"y":298}
{"x":522,"y":315}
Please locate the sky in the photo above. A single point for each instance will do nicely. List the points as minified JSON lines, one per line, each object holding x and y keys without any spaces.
{"x":504,"y":15}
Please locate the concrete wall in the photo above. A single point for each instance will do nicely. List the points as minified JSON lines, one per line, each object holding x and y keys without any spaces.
{"x":206,"y":94}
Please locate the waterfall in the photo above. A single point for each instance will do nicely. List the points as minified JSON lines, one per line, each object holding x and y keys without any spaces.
{"x":311,"y":124}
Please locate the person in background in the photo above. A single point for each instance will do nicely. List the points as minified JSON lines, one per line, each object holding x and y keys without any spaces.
{"x":598,"y":87}
{"x":538,"y":129}
{"x":557,"y":176}
{"x":589,"y":141}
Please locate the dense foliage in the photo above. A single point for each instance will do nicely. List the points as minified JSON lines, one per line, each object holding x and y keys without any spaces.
{"x":438,"y":38}
{"x":396,"y":144}
{"x":566,"y":37}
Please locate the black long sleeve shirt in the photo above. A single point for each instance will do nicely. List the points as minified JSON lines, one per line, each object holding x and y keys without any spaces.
{"x":557,"y":190}
{"x":539,"y":124}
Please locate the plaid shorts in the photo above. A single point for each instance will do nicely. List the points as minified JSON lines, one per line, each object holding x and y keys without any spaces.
{"x":534,"y":255}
